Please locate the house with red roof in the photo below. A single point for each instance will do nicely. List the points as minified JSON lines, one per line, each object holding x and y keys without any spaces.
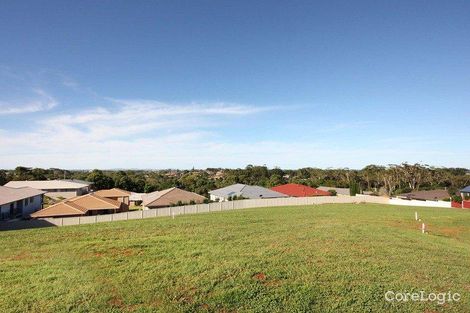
{"x":297,"y":190}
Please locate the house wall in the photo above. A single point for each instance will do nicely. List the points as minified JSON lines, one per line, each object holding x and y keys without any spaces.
{"x":4,"y":211}
{"x":28,"y":208}
{"x":217,"y":198}
{"x":124,"y":200}
{"x":66,"y":193}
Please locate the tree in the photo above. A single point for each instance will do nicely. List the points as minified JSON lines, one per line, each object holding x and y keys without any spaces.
{"x":414,"y":175}
{"x":275,"y":180}
{"x":3,"y":178}
{"x":22,"y":173}
{"x":124,"y":182}
{"x":39,"y":174}
{"x":100,"y":180}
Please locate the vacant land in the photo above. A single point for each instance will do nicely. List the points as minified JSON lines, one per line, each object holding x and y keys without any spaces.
{"x":326,"y":258}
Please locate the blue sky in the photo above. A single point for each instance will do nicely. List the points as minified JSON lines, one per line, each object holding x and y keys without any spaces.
{"x":177,"y":84}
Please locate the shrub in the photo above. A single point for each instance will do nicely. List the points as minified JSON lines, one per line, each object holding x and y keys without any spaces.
{"x":332,"y":192}
{"x":354,"y":188}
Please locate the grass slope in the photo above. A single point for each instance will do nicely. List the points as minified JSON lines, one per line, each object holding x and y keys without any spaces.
{"x":327,"y":258}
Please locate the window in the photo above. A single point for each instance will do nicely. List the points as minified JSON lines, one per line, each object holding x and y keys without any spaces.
{"x":12,"y":206}
{"x":31,"y":199}
{"x":26,"y":201}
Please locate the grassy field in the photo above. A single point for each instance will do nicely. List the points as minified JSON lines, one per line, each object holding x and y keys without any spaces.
{"x":328,"y":258}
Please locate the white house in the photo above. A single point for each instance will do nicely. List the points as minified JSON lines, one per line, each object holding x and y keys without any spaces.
{"x":19,"y":202}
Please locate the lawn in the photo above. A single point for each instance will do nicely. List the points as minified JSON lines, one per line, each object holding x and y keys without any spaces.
{"x":325,"y":258}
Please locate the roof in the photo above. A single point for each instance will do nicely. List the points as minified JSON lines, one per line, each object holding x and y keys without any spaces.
{"x":437,"y":194}
{"x":466,"y":189}
{"x":80,"y":181}
{"x":246,"y":191}
{"x":170,"y":196}
{"x":297,"y":190}
{"x":48,"y":184}
{"x":136,"y":196}
{"x":339,"y":191}
{"x":78,"y":206}
{"x":112,"y":193}
{"x":8,"y":194}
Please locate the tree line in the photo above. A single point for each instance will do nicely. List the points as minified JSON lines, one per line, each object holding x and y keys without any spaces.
{"x":384,"y":180}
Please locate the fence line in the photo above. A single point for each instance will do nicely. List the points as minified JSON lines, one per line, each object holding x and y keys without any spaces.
{"x":210,"y":207}
{"x":236,"y":205}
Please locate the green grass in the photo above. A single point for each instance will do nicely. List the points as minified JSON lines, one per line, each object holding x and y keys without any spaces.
{"x":328,"y":258}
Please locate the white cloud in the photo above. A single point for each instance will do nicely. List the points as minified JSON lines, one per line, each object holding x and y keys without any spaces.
{"x":128,"y":133}
{"x":152,"y":134}
{"x":41,"y":102}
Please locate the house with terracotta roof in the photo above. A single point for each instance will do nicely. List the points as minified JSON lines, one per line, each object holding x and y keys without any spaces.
{"x":115,"y":194}
{"x":169,"y":197}
{"x":90,"y":204}
{"x":19,"y":202}
{"x":297,"y":190}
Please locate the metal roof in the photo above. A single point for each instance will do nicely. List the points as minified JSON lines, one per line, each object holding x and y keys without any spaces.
{"x":339,"y":191}
{"x":246,"y":191}
{"x":466,"y":189}
{"x":9,"y":195}
{"x":47,"y":184}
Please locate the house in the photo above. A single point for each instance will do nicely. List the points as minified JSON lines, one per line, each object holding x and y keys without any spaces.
{"x":339,"y":191}
{"x":19,"y":202}
{"x":245,"y":191}
{"x":465,"y":192}
{"x":169,"y":197}
{"x":89,"y":204}
{"x":56,"y":189}
{"x":432,"y":195}
{"x":297,"y":190}
{"x":135,"y":198}
{"x":115,"y":194}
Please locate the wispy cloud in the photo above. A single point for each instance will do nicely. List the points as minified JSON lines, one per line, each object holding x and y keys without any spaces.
{"x":125,"y":118}
{"x":41,"y":102}
{"x":130,"y":132}
{"x":162,"y":108}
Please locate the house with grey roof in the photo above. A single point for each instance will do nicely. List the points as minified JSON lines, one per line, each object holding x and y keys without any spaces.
{"x":58,"y":188}
{"x":339,"y":191}
{"x":19,"y":202}
{"x":245,"y":191}
{"x":465,"y":192}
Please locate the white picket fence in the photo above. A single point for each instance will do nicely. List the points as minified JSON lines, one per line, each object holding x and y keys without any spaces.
{"x":211,"y":207}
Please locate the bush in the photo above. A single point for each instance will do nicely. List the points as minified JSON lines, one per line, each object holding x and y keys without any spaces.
{"x":354,"y":189}
{"x":332,"y":192}
{"x":456,"y":198}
